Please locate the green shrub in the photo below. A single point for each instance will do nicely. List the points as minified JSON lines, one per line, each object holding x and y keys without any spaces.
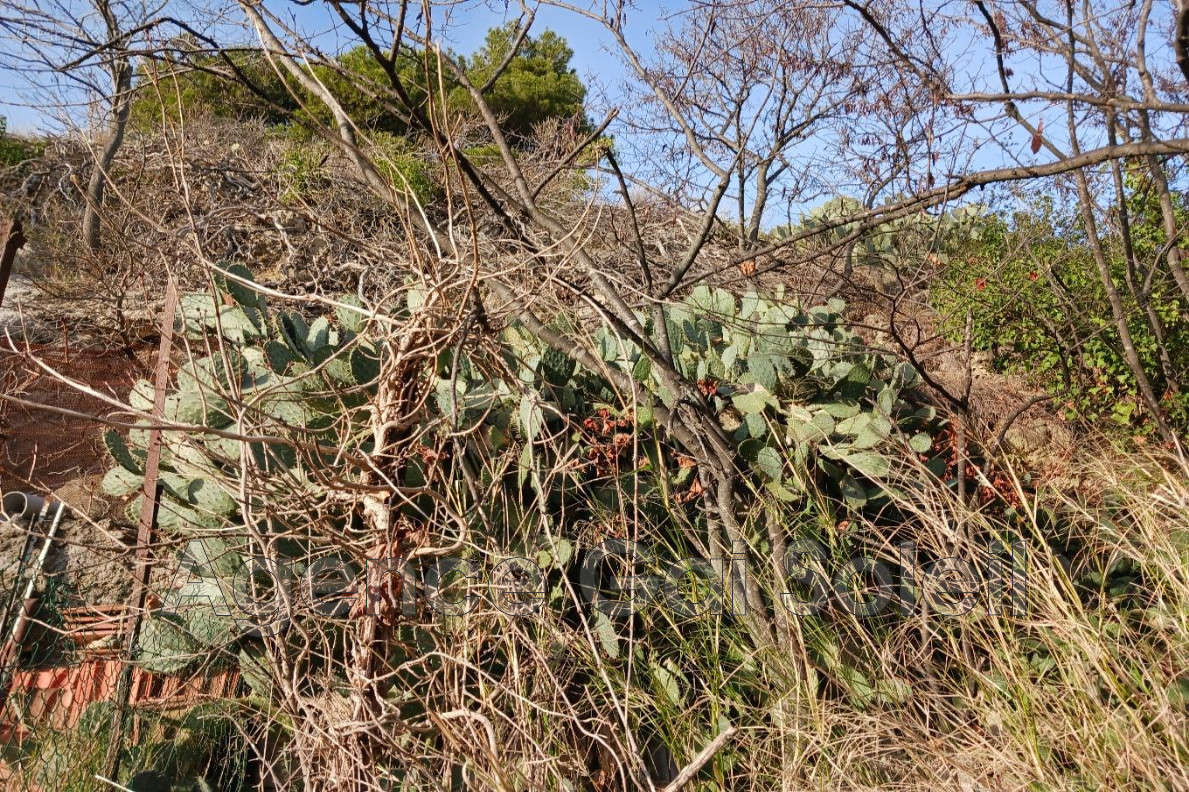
{"x":536,"y":455}
{"x":813,"y":413}
{"x":15,"y":150}
{"x":301,"y":170}
{"x":405,"y":167}
{"x":1037,"y":302}
{"x":487,"y":154}
{"x":538,"y":84}
{"x":166,"y":92}
{"x":187,"y":750}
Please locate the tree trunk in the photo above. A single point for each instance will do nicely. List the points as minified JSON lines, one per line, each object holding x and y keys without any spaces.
{"x":117,"y":125}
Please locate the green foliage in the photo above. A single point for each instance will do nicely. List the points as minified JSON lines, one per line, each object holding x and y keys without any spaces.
{"x":201,"y":85}
{"x":1037,"y":302}
{"x":819,"y":423}
{"x":192,"y":750}
{"x":363,"y":90}
{"x":189,"y":750}
{"x":301,"y":171}
{"x":825,"y":218}
{"x":405,"y":167}
{"x":166,"y":647}
{"x":807,"y":403}
{"x":15,"y":150}
{"x":537,"y":84}
{"x":487,"y":154}
{"x":294,"y":380}
{"x":811,"y":409}
{"x":888,"y":244}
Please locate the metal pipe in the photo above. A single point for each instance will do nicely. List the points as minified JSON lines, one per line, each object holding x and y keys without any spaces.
{"x":22,"y":505}
{"x":12,"y":647}
{"x":40,"y":564}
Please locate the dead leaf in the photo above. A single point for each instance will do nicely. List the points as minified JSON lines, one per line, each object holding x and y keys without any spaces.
{"x":1037,"y":140}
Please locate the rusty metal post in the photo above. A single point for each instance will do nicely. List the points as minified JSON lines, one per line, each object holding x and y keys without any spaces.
{"x":150,"y":500}
{"x":12,"y":238}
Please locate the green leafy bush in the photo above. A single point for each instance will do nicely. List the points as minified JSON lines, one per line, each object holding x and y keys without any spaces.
{"x":192,"y":749}
{"x":404,"y":166}
{"x":294,"y":378}
{"x":541,"y":456}
{"x":1037,"y":303}
{"x":15,"y":150}
{"x":301,"y":171}
{"x":537,"y":84}
{"x":169,"y":91}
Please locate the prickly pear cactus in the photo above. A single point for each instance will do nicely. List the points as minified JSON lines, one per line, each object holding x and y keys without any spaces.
{"x":274,"y":393}
{"x":810,"y":407}
{"x":807,"y":402}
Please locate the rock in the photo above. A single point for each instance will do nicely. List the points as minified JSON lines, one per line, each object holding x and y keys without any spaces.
{"x":1028,"y":437}
{"x":878,"y":278}
{"x":1043,"y":443}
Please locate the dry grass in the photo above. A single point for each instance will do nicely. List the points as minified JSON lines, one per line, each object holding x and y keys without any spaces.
{"x":1081,"y":688}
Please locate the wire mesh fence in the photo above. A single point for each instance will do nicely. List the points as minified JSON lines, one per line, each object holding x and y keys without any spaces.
{"x":60,"y":694}
{"x":44,"y":449}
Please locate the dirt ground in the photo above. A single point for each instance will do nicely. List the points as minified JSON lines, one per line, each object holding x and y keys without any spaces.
{"x":61,"y":453}
{"x":42,"y":449}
